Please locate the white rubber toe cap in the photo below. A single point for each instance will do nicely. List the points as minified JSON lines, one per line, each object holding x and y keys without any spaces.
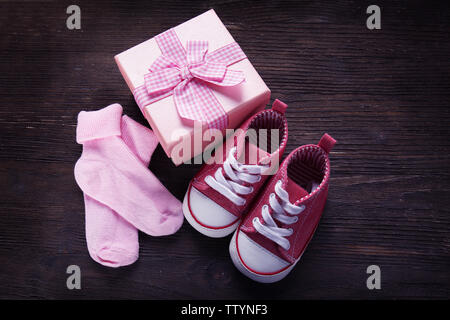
{"x":207,"y":212}
{"x":256,"y":258}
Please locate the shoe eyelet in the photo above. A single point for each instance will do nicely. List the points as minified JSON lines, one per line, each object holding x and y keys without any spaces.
{"x":251,"y":189}
{"x":291,"y":230}
{"x":259,"y":179}
{"x":295,"y":219}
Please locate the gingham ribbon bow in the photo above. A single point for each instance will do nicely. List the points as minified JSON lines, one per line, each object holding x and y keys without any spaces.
{"x":187,"y":73}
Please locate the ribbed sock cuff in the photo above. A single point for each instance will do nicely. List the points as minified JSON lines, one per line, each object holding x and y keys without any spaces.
{"x":99,"y":124}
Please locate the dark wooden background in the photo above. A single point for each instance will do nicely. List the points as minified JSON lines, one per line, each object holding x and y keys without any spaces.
{"x":383,"y":94}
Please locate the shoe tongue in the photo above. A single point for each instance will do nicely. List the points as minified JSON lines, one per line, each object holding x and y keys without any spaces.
{"x":295,"y":191}
{"x":251,"y":154}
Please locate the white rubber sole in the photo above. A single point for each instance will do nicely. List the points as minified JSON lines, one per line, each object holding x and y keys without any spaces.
{"x":210,"y":232}
{"x":263,"y":278}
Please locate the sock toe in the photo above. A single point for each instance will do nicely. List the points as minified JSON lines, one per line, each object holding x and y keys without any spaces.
{"x":116,"y":256}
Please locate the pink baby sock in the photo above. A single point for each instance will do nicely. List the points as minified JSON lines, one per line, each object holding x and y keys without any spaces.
{"x":111,"y":240}
{"x":120,"y":193}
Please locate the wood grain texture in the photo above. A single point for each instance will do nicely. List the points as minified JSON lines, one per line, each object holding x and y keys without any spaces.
{"x":383,"y":94}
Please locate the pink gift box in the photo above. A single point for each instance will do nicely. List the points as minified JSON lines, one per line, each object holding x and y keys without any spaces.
{"x":238,"y":101}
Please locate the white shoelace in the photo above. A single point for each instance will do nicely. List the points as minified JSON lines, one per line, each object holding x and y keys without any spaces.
{"x":238,"y":173}
{"x":270,"y":229}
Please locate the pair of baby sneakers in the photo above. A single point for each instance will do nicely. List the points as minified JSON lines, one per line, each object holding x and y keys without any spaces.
{"x":274,"y":209}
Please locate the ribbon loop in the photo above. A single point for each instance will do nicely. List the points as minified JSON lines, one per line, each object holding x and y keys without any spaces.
{"x":196,"y":51}
{"x":210,"y":71}
{"x":162,"y":81}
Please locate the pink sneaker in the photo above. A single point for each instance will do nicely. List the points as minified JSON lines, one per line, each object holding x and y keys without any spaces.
{"x":221,"y":193}
{"x":273,"y":236}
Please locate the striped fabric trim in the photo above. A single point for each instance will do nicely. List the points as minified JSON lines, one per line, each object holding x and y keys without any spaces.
{"x":306,"y":164}
{"x":269,"y":120}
